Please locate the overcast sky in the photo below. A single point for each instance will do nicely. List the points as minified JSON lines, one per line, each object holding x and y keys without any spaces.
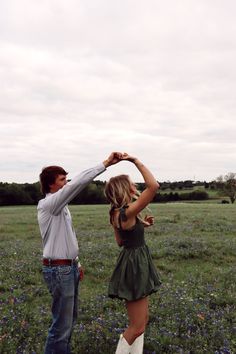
{"x":80,"y":79}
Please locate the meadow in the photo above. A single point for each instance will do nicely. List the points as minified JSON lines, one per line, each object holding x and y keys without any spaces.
{"x":194,"y":248}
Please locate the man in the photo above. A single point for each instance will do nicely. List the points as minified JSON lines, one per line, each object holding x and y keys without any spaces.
{"x":61,"y":269}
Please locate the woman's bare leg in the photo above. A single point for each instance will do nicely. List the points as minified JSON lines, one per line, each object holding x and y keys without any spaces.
{"x":138,"y":318}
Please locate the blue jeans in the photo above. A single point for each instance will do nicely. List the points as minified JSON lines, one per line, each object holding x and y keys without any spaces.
{"x":63,"y":284}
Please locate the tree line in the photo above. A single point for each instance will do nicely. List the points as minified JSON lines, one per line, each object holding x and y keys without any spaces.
{"x":29,"y":194}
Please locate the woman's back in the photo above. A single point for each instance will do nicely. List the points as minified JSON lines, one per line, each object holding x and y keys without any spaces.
{"x":133,"y":236}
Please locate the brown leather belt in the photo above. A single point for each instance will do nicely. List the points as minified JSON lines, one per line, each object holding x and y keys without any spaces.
{"x":58,"y":262}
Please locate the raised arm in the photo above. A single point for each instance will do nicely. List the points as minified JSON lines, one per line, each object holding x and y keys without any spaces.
{"x":56,"y":201}
{"x":148,"y":194}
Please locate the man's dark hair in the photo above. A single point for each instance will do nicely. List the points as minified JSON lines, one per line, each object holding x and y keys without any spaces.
{"x":48,"y":177}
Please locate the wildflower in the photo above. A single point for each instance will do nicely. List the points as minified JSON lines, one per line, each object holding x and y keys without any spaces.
{"x":3,"y":337}
{"x":24,"y":324}
{"x":201,"y":316}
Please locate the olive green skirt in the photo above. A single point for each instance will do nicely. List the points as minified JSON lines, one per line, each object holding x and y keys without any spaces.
{"x":135,"y":275}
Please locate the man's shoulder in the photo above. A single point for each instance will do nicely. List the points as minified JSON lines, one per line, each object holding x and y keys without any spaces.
{"x":41,"y":202}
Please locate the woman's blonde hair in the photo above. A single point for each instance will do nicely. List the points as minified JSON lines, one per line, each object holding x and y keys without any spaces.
{"x":119,"y":193}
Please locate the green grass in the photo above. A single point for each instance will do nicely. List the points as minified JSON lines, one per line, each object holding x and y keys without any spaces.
{"x":193,"y":246}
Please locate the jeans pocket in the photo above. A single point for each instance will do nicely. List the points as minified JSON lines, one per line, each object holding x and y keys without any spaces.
{"x":64,"y":270}
{"x":48,"y":280}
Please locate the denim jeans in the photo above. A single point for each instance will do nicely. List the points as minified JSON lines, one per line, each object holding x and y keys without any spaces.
{"x":63,"y":284}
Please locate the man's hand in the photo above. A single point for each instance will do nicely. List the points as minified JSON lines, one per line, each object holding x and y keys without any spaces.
{"x":114,"y":158}
{"x":81,"y":273}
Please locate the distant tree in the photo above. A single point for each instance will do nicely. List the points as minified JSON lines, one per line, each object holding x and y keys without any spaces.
{"x":33,"y":190}
{"x":188,"y":184}
{"x":227,"y":184}
{"x":14,"y":194}
{"x":195,"y":195}
{"x":174,"y":185}
{"x":140,"y":186}
{"x":164,"y":185}
{"x":92,"y":194}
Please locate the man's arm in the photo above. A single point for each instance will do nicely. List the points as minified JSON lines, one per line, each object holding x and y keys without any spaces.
{"x":56,"y":201}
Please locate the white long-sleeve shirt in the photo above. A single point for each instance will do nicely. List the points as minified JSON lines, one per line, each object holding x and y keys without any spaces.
{"x":55,"y":223}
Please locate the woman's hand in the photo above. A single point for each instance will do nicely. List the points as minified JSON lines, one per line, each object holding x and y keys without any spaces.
{"x":128,"y":157}
{"x":148,"y":220}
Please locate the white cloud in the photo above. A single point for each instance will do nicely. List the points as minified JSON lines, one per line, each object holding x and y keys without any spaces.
{"x":80,"y":79}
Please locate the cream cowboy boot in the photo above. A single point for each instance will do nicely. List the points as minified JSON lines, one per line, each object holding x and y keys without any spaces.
{"x":137,"y":346}
{"x":123,"y":346}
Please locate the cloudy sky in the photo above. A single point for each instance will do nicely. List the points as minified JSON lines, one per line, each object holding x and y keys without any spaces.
{"x":154,"y":78}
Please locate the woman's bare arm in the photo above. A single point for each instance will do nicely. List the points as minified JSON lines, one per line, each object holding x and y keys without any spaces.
{"x":150,"y":190}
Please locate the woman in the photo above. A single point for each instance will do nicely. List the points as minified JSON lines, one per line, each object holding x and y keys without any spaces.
{"x":135,"y":276}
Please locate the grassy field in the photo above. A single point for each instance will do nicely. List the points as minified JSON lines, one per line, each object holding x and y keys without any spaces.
{"x":194,"y":248}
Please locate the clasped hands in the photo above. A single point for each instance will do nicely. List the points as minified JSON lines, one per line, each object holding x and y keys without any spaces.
{"x":116,"y":157}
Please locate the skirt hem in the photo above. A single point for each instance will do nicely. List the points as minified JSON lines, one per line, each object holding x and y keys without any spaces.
{"x":116,"y":296}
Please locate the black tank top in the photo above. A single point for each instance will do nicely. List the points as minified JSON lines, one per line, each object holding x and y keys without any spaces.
{"x":133,"y":237}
